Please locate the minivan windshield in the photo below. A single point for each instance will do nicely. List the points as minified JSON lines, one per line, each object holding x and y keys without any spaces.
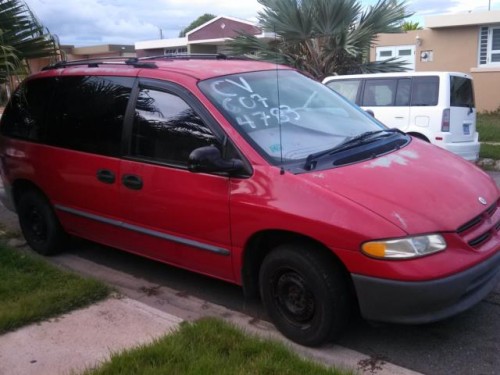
{"x":285,"y":115}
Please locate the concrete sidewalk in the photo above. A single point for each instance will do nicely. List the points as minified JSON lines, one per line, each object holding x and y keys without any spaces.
{"x":83,"y":338}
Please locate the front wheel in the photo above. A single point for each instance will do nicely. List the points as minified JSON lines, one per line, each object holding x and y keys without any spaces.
{"x":39,"y":224}
{"x":305,"y":294}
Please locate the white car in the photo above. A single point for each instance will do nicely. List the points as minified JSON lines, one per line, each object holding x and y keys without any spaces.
{"x":437,"y":107}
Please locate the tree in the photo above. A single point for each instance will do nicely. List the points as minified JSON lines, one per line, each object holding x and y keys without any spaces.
{"x":197,"y":22}
{"x":22,"y":37}
{"x":410,"y":25}
{"x":324,"y":37}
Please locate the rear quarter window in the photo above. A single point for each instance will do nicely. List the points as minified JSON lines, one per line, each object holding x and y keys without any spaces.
{"x":24,"y":116}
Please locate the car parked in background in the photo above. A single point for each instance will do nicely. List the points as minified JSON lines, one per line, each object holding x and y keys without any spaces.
{"x":437,"y":107}
{"x":254,"y":174}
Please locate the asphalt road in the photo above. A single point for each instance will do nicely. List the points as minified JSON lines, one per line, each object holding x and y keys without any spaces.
{"x":465,"y":344}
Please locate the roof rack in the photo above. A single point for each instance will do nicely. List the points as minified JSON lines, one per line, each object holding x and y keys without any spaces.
{"x":95,"y":62}
{"x":194,"y":56}
{"x":141,"y":62}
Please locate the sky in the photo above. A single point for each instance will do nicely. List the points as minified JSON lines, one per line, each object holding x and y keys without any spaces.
{"x":94,"y":22}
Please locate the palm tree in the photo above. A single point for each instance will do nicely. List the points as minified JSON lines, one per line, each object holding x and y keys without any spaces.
{"x":22,"y":37}
{"x":324,"y":37}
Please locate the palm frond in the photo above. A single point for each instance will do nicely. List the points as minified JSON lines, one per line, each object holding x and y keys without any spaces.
{"x":22,"y":37}
{"x":323,"y":36}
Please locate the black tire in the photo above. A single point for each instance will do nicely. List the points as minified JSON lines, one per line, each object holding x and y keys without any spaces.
{"x":305,"y":294}
{"x":39,"y":224}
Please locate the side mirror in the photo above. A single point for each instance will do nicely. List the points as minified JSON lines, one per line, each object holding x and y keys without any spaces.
{"x":370,"y":112}
{"x":209,"y":159}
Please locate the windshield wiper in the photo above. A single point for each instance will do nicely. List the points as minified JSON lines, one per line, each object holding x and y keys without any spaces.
{"x":349,"y":143}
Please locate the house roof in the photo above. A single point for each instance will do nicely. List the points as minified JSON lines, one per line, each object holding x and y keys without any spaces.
{"x":218,"y":18}
{"x":463,"y":19}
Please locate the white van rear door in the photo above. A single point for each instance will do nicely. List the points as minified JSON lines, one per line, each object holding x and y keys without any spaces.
{"x":462,"y":110}
{"x":389,"y":99}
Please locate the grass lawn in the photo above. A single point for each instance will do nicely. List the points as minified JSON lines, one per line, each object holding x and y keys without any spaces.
{"x":210,"y":346}
{"x":488,"y":126}
{"x":490,"y":151}
{"x":31,"y":290}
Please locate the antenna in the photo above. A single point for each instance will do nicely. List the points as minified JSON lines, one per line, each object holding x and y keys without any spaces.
{"x":282,"y":171}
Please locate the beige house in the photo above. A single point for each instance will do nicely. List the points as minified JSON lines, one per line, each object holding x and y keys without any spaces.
{"x":71,"y":53}
{"x":468,"y":43}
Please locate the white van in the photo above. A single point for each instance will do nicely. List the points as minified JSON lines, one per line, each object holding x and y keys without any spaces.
{"x":437,"y":107}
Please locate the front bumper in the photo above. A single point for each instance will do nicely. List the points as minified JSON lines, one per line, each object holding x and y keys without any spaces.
{"x":425,"y":301}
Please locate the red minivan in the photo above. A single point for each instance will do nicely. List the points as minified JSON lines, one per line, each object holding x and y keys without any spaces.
{"x":255,"y":174}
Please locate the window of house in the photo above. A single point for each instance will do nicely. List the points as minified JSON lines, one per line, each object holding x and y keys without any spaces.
{"x":166,"y":129}
{"x":489,"y":45}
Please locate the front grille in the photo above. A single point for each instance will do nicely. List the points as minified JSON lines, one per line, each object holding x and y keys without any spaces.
{"x":479,"y":240}
{"x":470,"y":224}
{"x":480,"y":230}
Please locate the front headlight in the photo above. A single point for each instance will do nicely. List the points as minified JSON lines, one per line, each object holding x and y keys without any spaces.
{"x":404,"y":248}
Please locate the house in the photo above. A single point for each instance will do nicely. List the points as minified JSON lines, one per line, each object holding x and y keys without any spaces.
{"x":211,"y":37}
{"x":468,"y":43}
{"x":71,"y":53}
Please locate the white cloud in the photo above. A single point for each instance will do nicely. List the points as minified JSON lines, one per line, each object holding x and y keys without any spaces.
{"x":84,"y":22}
{"x":90,"y":22}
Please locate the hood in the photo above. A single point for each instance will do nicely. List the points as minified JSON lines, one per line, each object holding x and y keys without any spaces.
{"x":419,"y":188}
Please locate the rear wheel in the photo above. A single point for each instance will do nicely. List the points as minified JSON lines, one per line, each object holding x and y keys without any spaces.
{"x":39,"y":224}
{"x":305,"y":294}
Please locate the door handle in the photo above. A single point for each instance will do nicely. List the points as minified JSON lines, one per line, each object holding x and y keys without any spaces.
{"x":132,"y":181}
{"x":106,"y":176}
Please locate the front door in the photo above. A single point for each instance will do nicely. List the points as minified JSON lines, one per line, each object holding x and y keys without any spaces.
{"x":174,"y":215}
{"x":405,"y":54}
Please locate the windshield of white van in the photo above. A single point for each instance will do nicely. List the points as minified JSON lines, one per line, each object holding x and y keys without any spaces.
{"x":285,"y":115}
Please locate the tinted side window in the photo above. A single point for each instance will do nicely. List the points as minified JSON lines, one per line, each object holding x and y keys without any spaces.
{"x":403,"y":92}
{"x":347,"y":88}
{"x":24,"y":116}
{"x":88,"y":114}
{"x":166,"y":129}
{"x":461,"y":93}
{"x":425,"y":91}
{"x":379,"y":92}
